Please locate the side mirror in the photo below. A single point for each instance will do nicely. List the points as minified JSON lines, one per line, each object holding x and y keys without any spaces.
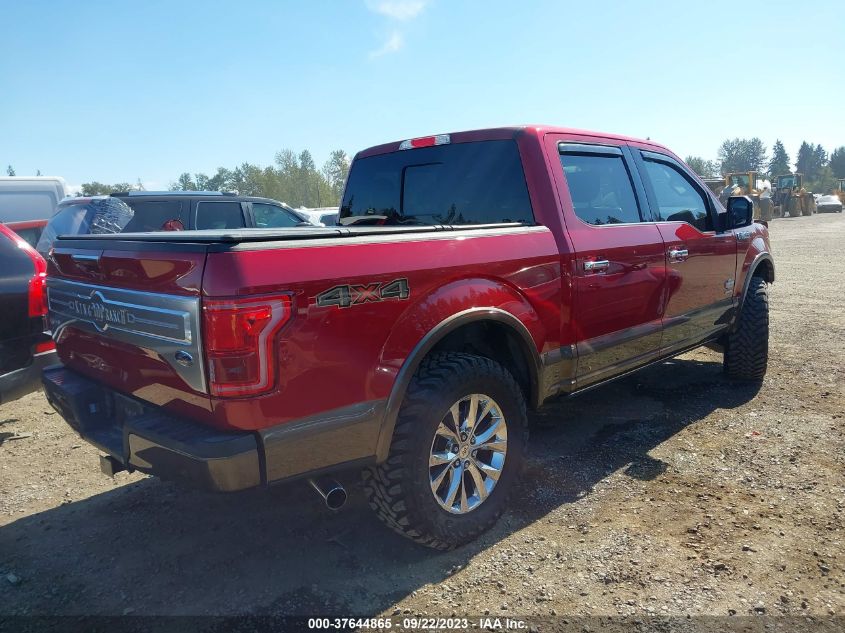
{"x":740,"y":212}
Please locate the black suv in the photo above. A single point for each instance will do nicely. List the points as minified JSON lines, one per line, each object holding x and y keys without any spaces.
{"x":25,"y":344}
{"x":164,"y":211}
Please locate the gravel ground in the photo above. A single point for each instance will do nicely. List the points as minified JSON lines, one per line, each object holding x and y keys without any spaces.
{"x":672,"y":492}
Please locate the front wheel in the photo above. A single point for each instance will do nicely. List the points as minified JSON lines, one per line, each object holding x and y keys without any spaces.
{"x":457,"y":451}
{"x":747,"y":349}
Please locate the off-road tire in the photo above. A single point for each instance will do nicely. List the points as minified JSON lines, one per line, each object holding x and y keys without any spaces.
{"x":399,"y":489}
{"x":766,"y":209}
{"x":747,"y":349}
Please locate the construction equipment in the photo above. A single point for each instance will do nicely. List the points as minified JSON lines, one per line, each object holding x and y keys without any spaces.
{"x":840,"y":189}
{"x":716,"y":185}
{"x":791,"y":197}
{"x":748,"y":184}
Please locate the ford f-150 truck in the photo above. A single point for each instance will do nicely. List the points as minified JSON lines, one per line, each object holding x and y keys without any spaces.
{"x":471,"y":276}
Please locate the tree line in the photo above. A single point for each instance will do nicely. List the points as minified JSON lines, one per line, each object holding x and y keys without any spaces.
{"x":293,"y":178}
{"x":820,"y":169}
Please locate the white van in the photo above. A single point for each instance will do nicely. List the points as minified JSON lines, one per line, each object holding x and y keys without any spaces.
{"x":27,"y":202}
{"x":26,"y":198}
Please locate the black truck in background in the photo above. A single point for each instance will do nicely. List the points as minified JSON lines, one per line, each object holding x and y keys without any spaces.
{"x":25,"y":344}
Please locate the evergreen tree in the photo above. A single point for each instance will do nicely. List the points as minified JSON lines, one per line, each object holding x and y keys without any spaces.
{"x":779,"y":164}
{"x":811,"y":160}
{"x":804,"y":160}
{"x":837,"y":162}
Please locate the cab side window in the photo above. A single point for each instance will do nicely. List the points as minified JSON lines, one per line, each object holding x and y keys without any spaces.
{"x":599,"y":185}
{"x":219,"y":215}
{"x":678,"y":200}
{"x":273,"y":216}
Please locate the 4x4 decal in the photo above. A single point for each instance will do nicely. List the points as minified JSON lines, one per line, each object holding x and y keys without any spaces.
{"x":351,"y":295}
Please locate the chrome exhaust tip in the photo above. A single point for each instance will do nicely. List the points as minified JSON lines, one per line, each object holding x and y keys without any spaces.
{"x":333,"y":493}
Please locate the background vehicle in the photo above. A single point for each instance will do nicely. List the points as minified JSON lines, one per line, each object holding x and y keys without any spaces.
{"x":25,"y":346}
{"x":716,"y":185}
{"x":508,"y":266}
{"x":164,"y":211}
{"x":320,"y":216}
{"x":26,"y":203}
{"x":829,"y":204}
{"x":751,"y":185}
{"x":791,"y":197}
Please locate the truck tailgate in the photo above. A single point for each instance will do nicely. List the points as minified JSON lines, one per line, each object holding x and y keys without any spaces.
{"x":130,"y":319}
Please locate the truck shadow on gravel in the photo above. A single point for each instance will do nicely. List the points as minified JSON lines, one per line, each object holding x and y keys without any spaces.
{"x":150,"y":548}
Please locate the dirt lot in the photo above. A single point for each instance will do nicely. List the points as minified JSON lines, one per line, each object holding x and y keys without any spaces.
{"x":669,"y":492}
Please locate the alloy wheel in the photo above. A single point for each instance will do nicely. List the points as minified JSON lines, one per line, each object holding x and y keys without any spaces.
{"x":468,"y":453}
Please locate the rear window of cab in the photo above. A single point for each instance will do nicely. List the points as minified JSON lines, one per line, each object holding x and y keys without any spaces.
{"x":464,"y":183}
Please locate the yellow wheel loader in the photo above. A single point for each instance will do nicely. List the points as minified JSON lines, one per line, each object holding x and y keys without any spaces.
{"x":791,"y":198}
{"x":748,"y":184}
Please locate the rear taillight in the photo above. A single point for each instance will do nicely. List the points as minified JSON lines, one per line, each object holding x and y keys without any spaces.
{"x":38,"y":287}
{"x":38,"y":282}
{"x":46,"y":346}
{"x":240,"y":343}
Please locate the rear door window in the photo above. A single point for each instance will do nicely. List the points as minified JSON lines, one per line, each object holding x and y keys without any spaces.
{"x":94,"y":216}
{"x":151,"y":215}
{"x":219,"y":215}
{"x":599,"y":184}
{"x":463,"y":183}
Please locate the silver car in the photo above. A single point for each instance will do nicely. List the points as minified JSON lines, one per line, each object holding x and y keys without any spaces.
{"x":829,"y":204}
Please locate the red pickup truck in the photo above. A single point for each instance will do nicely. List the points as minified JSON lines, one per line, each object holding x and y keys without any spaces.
{"x":472,"y":276}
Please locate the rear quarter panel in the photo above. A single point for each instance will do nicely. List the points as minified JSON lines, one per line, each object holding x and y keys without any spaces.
{"x":333,"y":357}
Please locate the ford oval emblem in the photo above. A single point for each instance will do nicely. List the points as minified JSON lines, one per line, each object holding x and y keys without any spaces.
{"x":184,"y":358}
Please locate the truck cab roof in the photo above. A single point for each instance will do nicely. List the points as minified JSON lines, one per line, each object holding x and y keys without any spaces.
{"x":501,"y":133}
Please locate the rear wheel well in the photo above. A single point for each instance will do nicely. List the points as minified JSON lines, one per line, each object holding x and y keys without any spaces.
{"x":765,"y":270}
{"x":499,"y":343}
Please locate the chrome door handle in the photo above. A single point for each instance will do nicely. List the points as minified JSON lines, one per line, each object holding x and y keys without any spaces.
{"x":592,"y":266}
{"x":678,"y":254}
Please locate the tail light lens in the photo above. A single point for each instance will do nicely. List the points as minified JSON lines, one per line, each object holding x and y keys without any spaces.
{"x":38,"y":282}
{"x":46,"y":346}
{"x":240,"y":343}
{"x":38,"y":287}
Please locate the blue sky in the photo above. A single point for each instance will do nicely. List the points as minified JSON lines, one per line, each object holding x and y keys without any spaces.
{"x":116,"y":91}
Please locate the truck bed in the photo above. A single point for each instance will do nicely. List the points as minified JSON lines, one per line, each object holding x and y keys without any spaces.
{"x":237,"y":236}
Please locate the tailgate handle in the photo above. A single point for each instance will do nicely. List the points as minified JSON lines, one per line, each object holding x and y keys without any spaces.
{"x":85,"y":258}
